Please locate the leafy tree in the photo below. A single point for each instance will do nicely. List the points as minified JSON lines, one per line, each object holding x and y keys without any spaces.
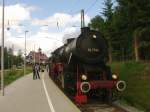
{"x":10,"y":59}
{"x":108,"y":30}
{"x":97,"y":23}
{"x":19,"y":57}
{"x":137,"y":15}
{"x":104,"y":25}
{"x":122,"y":40}
{"x":127,"y":29}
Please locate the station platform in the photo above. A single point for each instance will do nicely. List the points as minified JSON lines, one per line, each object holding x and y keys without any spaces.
{"x":28,"y":95}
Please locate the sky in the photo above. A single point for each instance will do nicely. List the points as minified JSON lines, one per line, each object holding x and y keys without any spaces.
{"x":48,"y":22}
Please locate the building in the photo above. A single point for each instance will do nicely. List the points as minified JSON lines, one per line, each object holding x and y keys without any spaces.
{"x":36,"y":57}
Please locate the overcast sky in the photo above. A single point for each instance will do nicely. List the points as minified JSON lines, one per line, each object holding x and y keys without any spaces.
{"x":47,"y":21}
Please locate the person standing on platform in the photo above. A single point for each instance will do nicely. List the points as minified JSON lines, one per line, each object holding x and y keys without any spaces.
{"x":34,"y":72}
{"x":37,"y":71}
{"x":47,"y":68}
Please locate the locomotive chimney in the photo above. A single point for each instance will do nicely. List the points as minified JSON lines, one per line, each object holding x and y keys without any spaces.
{"x":84,"y":29}
{"x":82,"y":18}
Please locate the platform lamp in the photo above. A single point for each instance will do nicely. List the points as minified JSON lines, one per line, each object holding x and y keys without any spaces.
{"x":25,"y":52}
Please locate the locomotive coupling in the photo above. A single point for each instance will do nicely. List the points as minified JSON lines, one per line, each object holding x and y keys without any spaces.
{"x":121,"y":85}
{"x":85,"y":87}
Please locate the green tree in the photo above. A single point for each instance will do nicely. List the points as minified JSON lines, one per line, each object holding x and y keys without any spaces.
{"x":122,"y":41}
{"x":104,"y":24}
{"x":127,"y":29}
{"x":97,"y":23}
{"x":108,"y":30}
{"x":19,"y":58}
{"x":136,"y":12}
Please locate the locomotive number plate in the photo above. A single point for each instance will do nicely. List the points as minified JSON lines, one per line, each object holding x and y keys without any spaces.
{"x":93,"y":50}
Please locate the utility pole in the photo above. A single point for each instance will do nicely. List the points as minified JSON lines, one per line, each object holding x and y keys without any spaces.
{"x":25,"y":53}
{"x":34,"y":54}
{"x":82,"y":18}
{"x":2,"y":50}
{"x":39,"y":57}
{"x":12,"y":60}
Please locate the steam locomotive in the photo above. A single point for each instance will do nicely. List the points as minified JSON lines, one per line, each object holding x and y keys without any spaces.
{"x":80,"y":67}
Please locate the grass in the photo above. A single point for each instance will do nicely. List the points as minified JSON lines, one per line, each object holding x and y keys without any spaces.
{"x":137,"y":77}
{"x":12,"y":75}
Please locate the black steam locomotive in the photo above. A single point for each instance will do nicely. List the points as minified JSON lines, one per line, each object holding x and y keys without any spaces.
{"x":80,"y":67}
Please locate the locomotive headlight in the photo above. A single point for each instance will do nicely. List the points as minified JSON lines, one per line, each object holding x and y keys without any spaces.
{"x":94,"y":36}
{"x":84,"y":77}
{"x":114,"y":76}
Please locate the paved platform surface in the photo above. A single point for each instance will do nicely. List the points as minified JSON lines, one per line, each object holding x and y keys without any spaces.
{"x":28,"y":95}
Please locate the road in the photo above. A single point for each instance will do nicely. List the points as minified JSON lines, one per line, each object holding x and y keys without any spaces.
{"x":28,"y":95}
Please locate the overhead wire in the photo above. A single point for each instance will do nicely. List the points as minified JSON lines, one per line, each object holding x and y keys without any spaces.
{"x":91,"y":6}
{"x":71,"y":12}
{"x":75,"y":4}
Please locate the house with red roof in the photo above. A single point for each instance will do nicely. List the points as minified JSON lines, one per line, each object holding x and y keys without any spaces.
{"x":36,"y":57}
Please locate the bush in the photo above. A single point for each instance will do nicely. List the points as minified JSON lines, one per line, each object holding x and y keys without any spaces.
{"x":12,"y":74}
{"x":137,"y":77}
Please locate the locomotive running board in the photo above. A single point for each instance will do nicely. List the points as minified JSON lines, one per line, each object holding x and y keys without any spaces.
{"x":103,"y":84}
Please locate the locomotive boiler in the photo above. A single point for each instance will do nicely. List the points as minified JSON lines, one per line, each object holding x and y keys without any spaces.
{"x":80,"y":67}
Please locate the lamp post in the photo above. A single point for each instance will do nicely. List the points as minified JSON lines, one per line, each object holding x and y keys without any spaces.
{"x":25,"y":52}
{"x":34,"y":54}
{"x":8,"y":62}
{"x":2,"y":50}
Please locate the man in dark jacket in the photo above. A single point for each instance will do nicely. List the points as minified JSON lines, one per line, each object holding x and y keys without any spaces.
{"x":34,"y":72}
{"x":37,"y":70}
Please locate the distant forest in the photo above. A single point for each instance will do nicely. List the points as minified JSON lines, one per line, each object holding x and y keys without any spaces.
{"x":126,"y":28}
{"x":10,"y":59}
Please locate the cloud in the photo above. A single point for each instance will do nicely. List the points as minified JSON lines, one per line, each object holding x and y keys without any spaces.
{"x":48,"y":41}
{"x":16,"y":13}
{"x":45,"y":32}
{"x":45,"y":40}
{"x":14,"y":16}
{"x":61,"y":19}
{"x":70,"y":32}
{"x":69,"y":26}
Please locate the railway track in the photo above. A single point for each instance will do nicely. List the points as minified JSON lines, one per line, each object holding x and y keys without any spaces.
{"x":95,"y":105}
{"x":100,"y":107}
